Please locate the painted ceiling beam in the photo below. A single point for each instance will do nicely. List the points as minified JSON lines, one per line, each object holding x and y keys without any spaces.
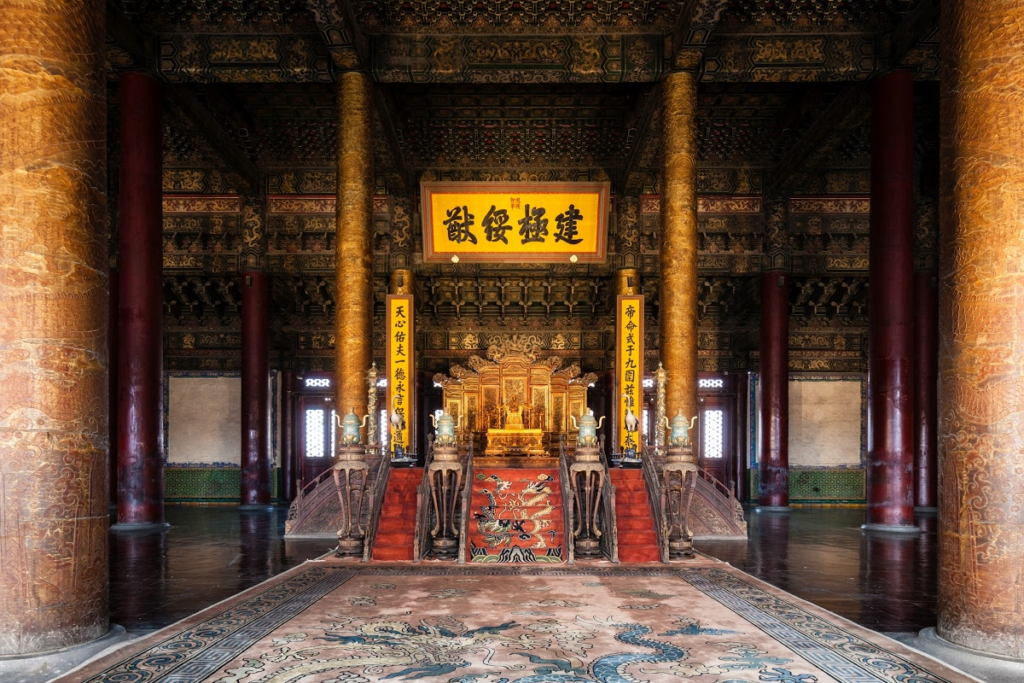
{"x":387,"y":119}
{"x":696,"y":23}
{"x":194,"y":111}
{"x":121,"y":32}
{"x":646,"y":115}
{"x":919,"y":30}
{"x":140,"y":47}
{"x":349,"y":50}
{"x":849,"y":109}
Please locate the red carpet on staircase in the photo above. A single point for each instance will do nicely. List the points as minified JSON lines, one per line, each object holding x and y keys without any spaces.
{"x":516,"y":516}
{"x":395,"y":532}
{"x":634,"y":518}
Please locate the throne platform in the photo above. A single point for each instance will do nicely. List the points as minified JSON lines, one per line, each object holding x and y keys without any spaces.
{"x":514,"y":404}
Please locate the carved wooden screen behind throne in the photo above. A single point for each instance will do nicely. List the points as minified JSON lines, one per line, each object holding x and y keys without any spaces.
{"x":510,"y":378}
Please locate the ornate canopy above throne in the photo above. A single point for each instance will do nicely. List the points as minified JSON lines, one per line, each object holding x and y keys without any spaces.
{"x":511,"y":392}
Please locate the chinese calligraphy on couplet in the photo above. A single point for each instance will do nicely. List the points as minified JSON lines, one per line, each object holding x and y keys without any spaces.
{"x":629,"y":362}
{"x":531,"y":222}
{"x":401,"y":380}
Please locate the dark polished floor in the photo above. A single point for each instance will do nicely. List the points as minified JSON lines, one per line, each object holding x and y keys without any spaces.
{"x":208,"y":555}
{"x":821,"y":555}
{"x":884,"y":582}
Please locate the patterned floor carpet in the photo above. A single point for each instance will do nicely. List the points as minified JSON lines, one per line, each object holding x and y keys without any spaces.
{"x":335,"y":622}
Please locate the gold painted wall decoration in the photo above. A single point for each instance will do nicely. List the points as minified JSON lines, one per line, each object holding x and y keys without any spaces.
{"x":527,"y":222}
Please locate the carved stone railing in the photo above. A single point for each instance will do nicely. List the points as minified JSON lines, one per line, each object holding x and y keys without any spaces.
{"x":376,"y":498}
{"x":467,"y":495}
{"x":567,"y":501}
{"x":421,"y":526}
{"x":608,"y":522}
{"x":308,"y":500}
{"x":721,"y":500}
{"x":657,"y":497}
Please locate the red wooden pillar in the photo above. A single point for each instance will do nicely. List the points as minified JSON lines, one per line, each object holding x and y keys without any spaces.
{"x":740,"y":382}
{"x":926,"y":363}
{"x":112,"y":384}
{"x":890,"y":476}
{"x":773,"y":486}
{"x":140,"y":473}
{"x":288,"y":438}
{"x":255,"y":461}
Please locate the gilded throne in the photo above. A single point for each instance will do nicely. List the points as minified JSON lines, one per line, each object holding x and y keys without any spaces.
{"x":514,"y":403}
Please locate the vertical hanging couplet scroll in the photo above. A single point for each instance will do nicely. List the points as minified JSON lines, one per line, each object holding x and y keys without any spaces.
{"x":629,"y":364}
{"x":401,"y":379}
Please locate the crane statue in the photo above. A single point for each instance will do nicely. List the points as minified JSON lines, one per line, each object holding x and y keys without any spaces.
{"x":398,"y":422}
{"x":632,"y":425}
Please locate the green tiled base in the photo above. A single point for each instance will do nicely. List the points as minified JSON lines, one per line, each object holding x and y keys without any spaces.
{"x":207,"y":484}
{"x":820,"y":486}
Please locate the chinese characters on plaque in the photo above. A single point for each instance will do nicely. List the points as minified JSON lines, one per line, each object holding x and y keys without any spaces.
{"x":629,"y":362}
{"x":531,"y":222}
{"x":401,"y":381}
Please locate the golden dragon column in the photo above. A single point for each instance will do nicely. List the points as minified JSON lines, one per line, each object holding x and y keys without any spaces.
{"x":353,"y":302}
{"x":53,"y":327}
{"x":981,"y":328}
{"x":678,"y":253}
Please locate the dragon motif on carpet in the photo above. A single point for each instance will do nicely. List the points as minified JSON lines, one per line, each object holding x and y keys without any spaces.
{"x":518,"y":523}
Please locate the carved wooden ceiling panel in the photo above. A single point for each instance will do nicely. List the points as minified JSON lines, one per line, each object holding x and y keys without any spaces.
{"x":556,"y":16}
{"x":512,"y":126}
{"x":242,"y":16}
{"x":813,"y":14}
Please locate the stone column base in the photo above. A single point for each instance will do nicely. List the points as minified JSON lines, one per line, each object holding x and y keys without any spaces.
{"x":40,"y":668}
{"x":142,"y":528}
{"x":895,"y":529}
{"x":981,"y":665}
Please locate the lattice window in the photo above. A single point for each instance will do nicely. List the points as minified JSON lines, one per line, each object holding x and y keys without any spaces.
{"x":315,"y":447}
{"x":649,"y":383}
{"x":317,"y":382}
{"x":334,"y":432}
{"x":714,"y":433}
{"x":711,"y":383}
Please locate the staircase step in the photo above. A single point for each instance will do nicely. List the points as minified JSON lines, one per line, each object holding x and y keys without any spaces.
{"x":639,"y":553}
{"x":392,"y":552}
{"x":631,"y":498}
{"x":395,"y":536}
{"x":396,"y":523}
{"x":638,"y":541}
{"x":399,"y":501}
{"x":631,"y":523}
{"x":638,"y":537}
